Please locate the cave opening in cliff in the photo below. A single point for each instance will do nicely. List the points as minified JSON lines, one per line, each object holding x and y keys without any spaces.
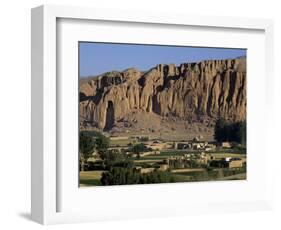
{"x":109,"y":116}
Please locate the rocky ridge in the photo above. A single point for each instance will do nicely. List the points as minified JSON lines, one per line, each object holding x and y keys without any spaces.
{"x":190,"y":92}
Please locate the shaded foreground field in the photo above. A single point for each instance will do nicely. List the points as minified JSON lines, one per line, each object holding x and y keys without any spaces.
{"x":90,"y":178}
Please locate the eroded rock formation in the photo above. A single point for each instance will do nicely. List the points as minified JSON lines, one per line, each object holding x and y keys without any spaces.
{"x":191,"y":91}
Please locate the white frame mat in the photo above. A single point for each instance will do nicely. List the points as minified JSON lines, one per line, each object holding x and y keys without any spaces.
{"x":57,"y":200}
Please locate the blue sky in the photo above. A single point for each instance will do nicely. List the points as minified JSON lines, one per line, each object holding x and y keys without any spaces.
{"x":98,"y":58}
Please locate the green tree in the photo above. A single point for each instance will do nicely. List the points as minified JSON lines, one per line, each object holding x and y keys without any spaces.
{"x":230,"y":131}
{"x":120,"y":175}
{"x":220,"y":129}
{"x":138,"y":148}
{"x":114,"y":157}
{"x":242,"y":133}
{"x":102,"y":143}
{"x":89,"y":142}
{"x":86,"y":148}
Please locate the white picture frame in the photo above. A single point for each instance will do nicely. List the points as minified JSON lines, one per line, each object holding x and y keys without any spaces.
{"x":47,"y":182}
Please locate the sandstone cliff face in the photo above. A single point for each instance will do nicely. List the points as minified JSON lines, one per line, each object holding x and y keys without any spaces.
{"x":191,"y":91}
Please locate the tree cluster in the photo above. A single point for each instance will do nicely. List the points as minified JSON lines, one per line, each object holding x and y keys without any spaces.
{"x":138,"y":148}
{"x":122,"y":176}
{"x":230,"y":131}
{"x":113,"y":158}
{"x":90,"y":141}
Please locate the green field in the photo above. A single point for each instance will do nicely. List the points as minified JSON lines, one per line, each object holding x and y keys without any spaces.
{"x":222,"y":174}
{"x":216,"y":154}
{"x":90,"y":178}
{"x":122,"y":142}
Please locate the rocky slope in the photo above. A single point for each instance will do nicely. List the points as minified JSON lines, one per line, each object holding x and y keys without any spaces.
{"x":192,"y":92}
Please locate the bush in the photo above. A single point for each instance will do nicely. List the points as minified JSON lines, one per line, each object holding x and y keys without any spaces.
{"x":115,"y":158}
{"x":122,"y":176}
{"x":157,"y":177}
{"x":138,"y":148}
